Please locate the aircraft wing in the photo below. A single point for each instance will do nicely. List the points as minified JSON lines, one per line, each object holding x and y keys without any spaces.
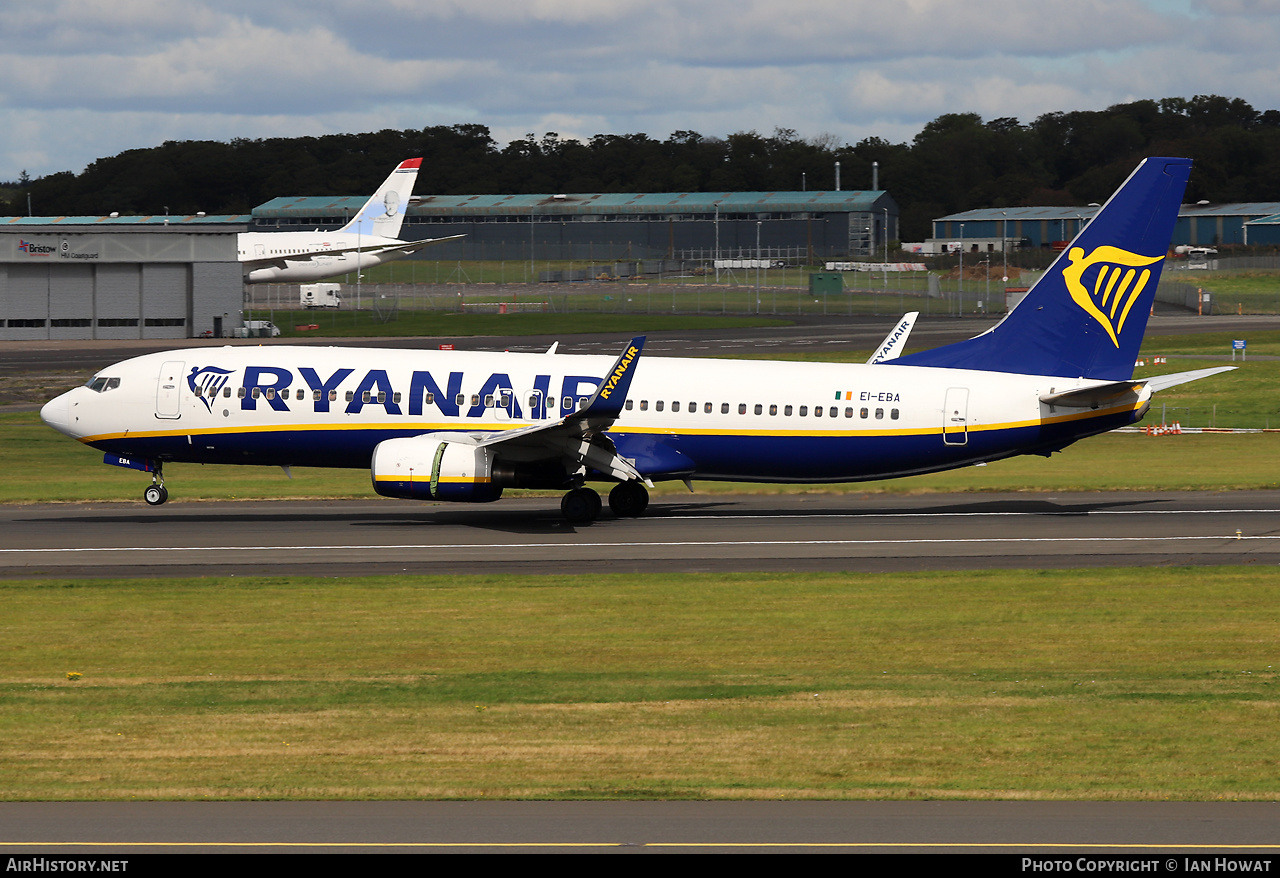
{"x":578,"y":437}
{"x":398,"y":247}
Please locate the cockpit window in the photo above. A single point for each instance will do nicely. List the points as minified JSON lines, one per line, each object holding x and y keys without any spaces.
{"x":100,"y":385}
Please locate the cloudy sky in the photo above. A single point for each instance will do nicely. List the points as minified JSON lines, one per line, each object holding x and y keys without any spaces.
{"x":80,"y":80}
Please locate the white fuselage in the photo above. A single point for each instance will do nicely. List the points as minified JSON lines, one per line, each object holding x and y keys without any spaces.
{"x":304,"y":257}
{"x":683,"y":418}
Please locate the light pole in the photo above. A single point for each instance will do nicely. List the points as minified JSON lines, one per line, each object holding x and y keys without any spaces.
{"x":960,"y":282}
{"x":1004,"y":243}
{"x":886,"y":249}
{"x":758,"y":224}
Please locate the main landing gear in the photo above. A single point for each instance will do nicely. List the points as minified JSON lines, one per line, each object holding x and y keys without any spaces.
{"x":156,"y":492}
{"x":583,"y":506}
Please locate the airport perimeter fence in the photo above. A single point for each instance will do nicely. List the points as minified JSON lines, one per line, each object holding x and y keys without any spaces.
{"x":671,"y":287}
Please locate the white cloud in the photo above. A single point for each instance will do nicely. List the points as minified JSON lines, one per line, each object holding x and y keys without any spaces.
{"x":136,"y":72}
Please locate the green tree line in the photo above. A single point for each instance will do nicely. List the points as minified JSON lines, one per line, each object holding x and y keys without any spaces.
{"x":959,"y":161}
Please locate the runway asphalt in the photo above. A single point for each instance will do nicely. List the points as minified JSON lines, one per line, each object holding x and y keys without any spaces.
{"x":815,"y":532}
{"x":1054,"y":831}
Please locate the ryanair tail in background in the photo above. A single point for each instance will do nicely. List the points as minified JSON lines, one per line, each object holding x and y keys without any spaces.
{"x":383,"y":214}
{"x":1086,"y":315}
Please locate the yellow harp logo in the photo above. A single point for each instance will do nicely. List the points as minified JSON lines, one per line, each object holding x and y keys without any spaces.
{"x":1116,"y":283}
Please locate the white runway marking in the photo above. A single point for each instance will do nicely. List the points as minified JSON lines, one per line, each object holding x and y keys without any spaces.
{"x":594,"y":546}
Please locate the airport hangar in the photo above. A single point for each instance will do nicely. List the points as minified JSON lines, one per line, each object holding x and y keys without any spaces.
{"x":119,"y":277}
{"x":1199,"y":225}
{"x":604,"y":226}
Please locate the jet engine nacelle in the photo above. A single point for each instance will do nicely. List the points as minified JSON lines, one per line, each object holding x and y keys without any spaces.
{"x":442,"y":466}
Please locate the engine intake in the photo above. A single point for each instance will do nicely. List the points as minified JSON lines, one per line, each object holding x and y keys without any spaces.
{"x":442,"y":466}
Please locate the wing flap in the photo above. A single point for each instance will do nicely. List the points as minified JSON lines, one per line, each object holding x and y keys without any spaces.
{"x":577,"y":436}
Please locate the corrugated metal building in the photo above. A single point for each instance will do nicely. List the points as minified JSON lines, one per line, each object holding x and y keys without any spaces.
{"x":1198,"y":224}
{"x":119,"y":277}
{"x":617,"y":225}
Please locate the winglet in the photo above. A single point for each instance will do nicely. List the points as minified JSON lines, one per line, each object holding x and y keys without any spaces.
{"x":609,"y":396}
{"x":895,"y":341}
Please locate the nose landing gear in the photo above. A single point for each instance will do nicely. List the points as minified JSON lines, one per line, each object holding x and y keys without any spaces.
{"x":156,"y":493}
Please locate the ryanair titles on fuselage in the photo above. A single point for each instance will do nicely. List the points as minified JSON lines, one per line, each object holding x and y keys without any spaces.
{"x":266,"y":385}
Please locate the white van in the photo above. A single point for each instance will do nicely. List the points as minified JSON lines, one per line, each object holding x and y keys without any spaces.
{"x":261,"y":329}
{"x":320,"y":296}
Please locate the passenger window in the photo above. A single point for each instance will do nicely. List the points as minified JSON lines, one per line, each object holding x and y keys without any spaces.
{"x":879,"y":414}
{"x":396,"y":397}
{"x":241,"y":393}
{"x":488,"y":400}
{"x":787,"y":411}
{"x":226,"y":393}
{"x":475,"y":399}
{"x":724,"y":408}
{"x":199,"y":392}
{"x":863,"y":413}
{"x":284,"y":394}
{"x":707,"y":408}
{"x":848,"y":413}
{"x":657,"y":406}
{"x":271,"y":392}
{"x":759,"y":409}
{"x":382,"y":397}
{"x":773,"y":410}
{"x":628,"y":405}
{"x":817,"y":411}
{"x":675,"y":406}
{"x":333,"y":395}
{"x":351,"y":394}
{"x":693,"y":408}
{"x":742,"y":408}
{"x":460,"y":399}
{"x":315,"y":396}
{"x":644,"y":405}
{"x":364,"y":397}
{"x":893,"y":413}
{"x":257,"y":392}
{"x":582,"y":400}
{"x":804,"y":411}
{"x":833,"y":411}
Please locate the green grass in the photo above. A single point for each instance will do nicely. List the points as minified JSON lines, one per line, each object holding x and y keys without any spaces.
{"x":1252,"y":292}
{"x":1098,"y":684}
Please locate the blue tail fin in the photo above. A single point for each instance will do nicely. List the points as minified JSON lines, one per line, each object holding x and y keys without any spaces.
{"x":1086,"y":316}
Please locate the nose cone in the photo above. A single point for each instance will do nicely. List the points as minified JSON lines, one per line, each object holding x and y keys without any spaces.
{"x":57,"y":413}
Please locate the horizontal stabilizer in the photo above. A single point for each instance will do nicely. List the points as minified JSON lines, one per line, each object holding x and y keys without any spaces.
{"x":1163,"y":382}
{"x":1111,"y":393}
{"x":1121,"y":392}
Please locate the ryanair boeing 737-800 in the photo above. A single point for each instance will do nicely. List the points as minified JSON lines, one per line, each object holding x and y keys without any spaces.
{"x":368,"y":240}
{"x":462,"y":426}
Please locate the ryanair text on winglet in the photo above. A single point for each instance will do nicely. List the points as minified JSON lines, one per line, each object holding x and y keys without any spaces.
{"x":623,"y":366}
